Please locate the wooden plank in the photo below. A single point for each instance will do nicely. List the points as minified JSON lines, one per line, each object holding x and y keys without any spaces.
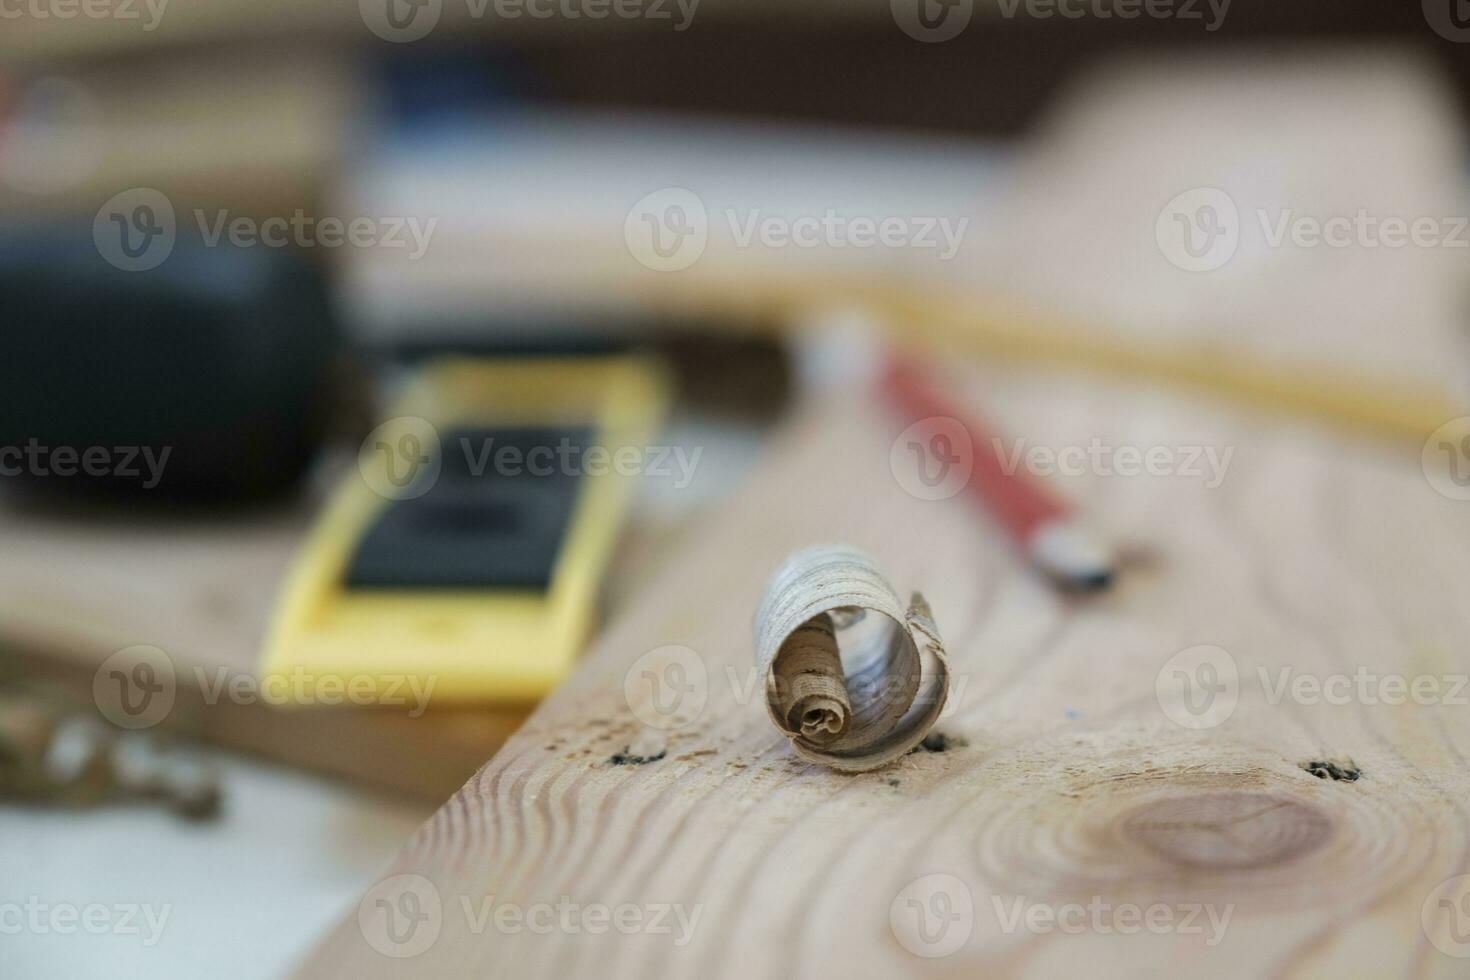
{"x":1067,"y":785}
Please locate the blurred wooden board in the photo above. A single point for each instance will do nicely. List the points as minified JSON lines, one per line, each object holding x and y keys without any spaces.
{"x":1069,"y":253}
{"x":1317,"y":553}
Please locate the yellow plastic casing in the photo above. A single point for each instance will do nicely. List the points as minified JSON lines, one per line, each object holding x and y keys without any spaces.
{"x":329,"y":644}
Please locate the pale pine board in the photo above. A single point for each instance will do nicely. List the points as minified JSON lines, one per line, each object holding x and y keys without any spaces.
{"x":1318,"y":551}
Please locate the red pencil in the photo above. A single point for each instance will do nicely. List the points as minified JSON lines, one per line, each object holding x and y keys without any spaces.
{"x":1042,"y":525}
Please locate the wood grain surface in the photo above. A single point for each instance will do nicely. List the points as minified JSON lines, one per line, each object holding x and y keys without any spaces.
{"x":1128,"y":785}
{"x":1072,"y":794}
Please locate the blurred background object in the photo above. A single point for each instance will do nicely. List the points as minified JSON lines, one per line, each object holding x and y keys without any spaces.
{"x":217,"y":369}
{"x":231,"y":233}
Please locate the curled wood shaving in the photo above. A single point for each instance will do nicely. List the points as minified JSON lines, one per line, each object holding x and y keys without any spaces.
{"x":853,"y":705}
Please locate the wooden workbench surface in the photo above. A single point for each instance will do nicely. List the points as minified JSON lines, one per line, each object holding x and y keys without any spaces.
{"x":1067,"y":780}
{"x":1124,"y":783}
